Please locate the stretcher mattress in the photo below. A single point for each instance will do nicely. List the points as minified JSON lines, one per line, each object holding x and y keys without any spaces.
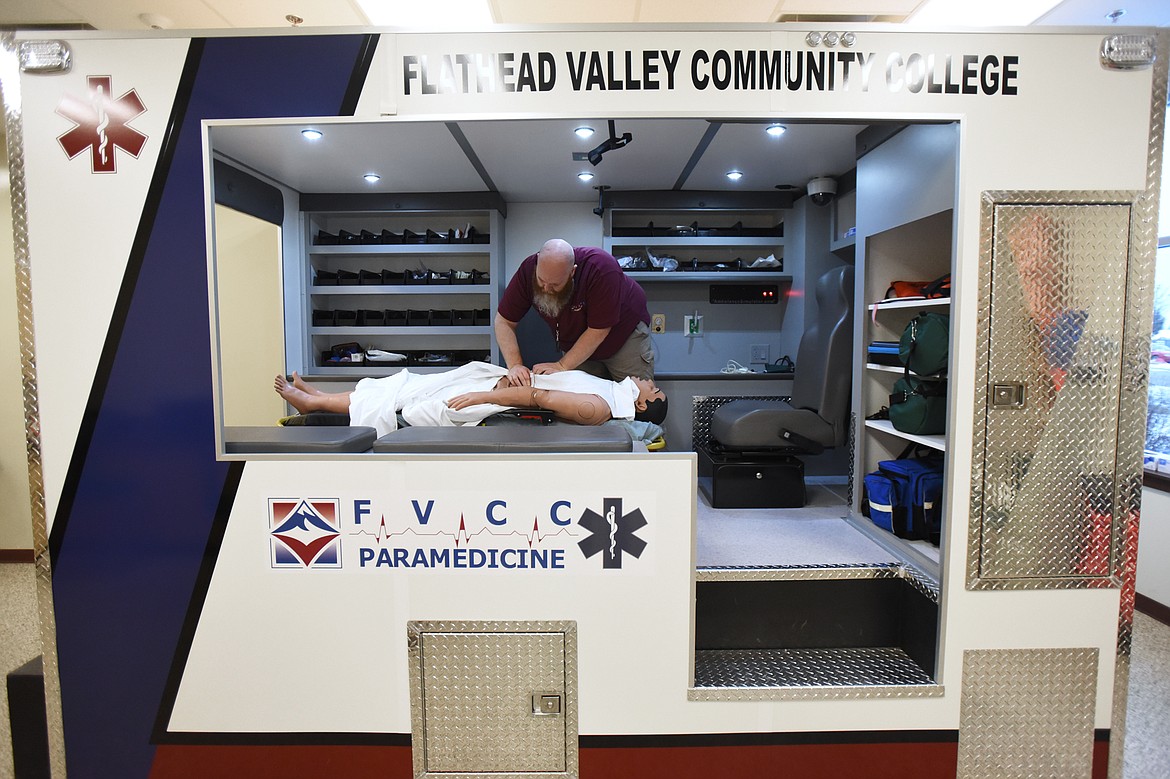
{"x":298,"y":440}
{"x":512,"y":438}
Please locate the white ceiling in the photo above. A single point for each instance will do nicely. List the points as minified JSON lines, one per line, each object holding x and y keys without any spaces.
{"x":211,"y":14}
{"x":532,"y":160}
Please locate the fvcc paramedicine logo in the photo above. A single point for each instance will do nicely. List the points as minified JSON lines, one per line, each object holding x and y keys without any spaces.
{"x":102,"y":124}
{"x":307,"y":533}
{"x":304,"y":533}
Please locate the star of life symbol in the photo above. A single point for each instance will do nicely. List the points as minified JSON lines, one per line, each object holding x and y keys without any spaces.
{"x":613,"y":533}
{"x":304,"y":533}
{"x":102,"y":124}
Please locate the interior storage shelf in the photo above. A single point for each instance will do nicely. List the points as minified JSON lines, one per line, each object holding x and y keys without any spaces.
{"x":896,"y":303}
{"x":938,"y":442}
{"x":679,"y":277}
{"x":430,"y":301}
{"x":361,"y":332}
{"x":446,"y":290}
{"x":421,"y":249}
{"x":638,"y":242}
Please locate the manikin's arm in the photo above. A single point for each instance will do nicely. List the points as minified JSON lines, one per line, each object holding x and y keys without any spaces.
{"x":578,"y":407}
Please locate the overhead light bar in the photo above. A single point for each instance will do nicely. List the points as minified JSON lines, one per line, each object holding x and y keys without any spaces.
{"x":45,"y":57}
{"x":1128,"y":52}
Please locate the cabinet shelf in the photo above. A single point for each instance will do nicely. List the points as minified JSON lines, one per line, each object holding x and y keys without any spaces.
{"x":677,"y":277}
{"x":439,"y":330}
{"x":901,"y":303}
{"x":403,"y":289}
{"x":389,"y":263}
{"x":405,"y":248}
{"x":938,"y":442}
{"x":718,"y":242}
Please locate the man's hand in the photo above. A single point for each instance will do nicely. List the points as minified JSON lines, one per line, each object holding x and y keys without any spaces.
{"x":543,"y":368}
{"x":519,"y":376}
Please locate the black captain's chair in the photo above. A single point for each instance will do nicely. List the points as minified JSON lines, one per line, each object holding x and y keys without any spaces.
{"x":817,"y":415}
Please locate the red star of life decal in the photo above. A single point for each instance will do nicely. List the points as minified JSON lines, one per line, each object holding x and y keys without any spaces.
{"x":102,"y":124}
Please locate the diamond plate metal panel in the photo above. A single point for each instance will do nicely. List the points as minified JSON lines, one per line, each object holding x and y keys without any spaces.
{"x":808,"y":674}
{"x":1053,"y":316}
{"x":1027,"y":713}
{"x":11,"y":94}
{"x":471,"y":698}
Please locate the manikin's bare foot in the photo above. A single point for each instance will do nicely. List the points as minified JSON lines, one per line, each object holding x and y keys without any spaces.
{"x":310,"y":398}
{"x":296,"y":397}
{"x":303,"y":385}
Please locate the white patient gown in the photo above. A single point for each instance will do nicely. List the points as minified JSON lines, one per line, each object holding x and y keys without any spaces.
{"x":422,"y":398}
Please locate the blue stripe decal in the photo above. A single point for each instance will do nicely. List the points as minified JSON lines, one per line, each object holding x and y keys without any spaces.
{"x":145,"y":495}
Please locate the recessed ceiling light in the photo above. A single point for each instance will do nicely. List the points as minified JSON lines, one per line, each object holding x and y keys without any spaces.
{"x":776,"y":130}
{"x":373,"y":178}
{"x":310,"y":134}
{"x":584,"y":132}
{"x":734,"y":175}
{"x":585,"y":175}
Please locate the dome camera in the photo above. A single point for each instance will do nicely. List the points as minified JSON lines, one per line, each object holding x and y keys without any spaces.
{"x":822,"y":190}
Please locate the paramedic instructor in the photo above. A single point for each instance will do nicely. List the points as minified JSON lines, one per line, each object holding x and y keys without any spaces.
{"x":596,"y":313}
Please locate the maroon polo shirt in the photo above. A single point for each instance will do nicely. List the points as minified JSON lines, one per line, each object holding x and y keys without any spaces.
{"x":603,"y":296}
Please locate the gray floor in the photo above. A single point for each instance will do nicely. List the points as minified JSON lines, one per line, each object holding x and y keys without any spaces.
{"x":735,"y":536}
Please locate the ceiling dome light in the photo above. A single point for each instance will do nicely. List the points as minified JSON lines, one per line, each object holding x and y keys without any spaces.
{"x":585,"y":175}
{"x":310,"y":134}
{"x":734,"y":175}
{"x":584,"y":132}
{"x":776,"y":130}
{"x":373,"y":178}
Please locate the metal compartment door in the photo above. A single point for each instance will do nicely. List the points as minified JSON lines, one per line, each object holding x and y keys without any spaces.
{"x":1053,"y":286}
{"x":494,"y":699}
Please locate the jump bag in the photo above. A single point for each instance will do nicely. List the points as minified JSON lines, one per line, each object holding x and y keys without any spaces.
{"x":904,"y":496}
{"x":919,"y":405}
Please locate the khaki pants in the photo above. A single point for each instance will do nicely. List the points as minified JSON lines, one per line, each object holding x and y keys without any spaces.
{"x":635,"y":358}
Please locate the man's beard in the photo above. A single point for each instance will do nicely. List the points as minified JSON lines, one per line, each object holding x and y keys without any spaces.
{"x":551,"y":303}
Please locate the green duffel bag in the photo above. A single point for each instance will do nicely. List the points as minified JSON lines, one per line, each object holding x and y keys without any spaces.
{"x":918,"y":406}
{"x":925,"y":344}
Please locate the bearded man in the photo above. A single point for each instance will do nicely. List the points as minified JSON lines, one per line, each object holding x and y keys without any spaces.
{"x":596,"y":313}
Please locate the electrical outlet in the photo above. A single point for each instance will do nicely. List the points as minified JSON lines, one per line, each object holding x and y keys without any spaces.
{"x":761,"y":353}
{"x":693,"y":326}
{"x":658,"y":323}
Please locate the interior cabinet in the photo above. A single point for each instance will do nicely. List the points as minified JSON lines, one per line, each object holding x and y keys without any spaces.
{"x":724,"y":267}
{"x":906,"y":193}
{"x":917,"y":251}
{"x":421,"y":284}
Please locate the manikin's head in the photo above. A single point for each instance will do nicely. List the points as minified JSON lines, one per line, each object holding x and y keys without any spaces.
{"x":650,"y":405}
{"x":552,"y":284}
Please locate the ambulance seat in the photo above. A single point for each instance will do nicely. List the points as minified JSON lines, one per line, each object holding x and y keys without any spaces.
{"x":817,"y":415}
{"x":752,"y":459}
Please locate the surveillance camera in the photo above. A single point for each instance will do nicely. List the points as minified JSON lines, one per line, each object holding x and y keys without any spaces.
{"x":822,"y":190}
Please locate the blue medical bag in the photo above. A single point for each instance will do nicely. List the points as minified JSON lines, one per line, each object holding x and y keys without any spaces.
{"x":904,"y":496}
